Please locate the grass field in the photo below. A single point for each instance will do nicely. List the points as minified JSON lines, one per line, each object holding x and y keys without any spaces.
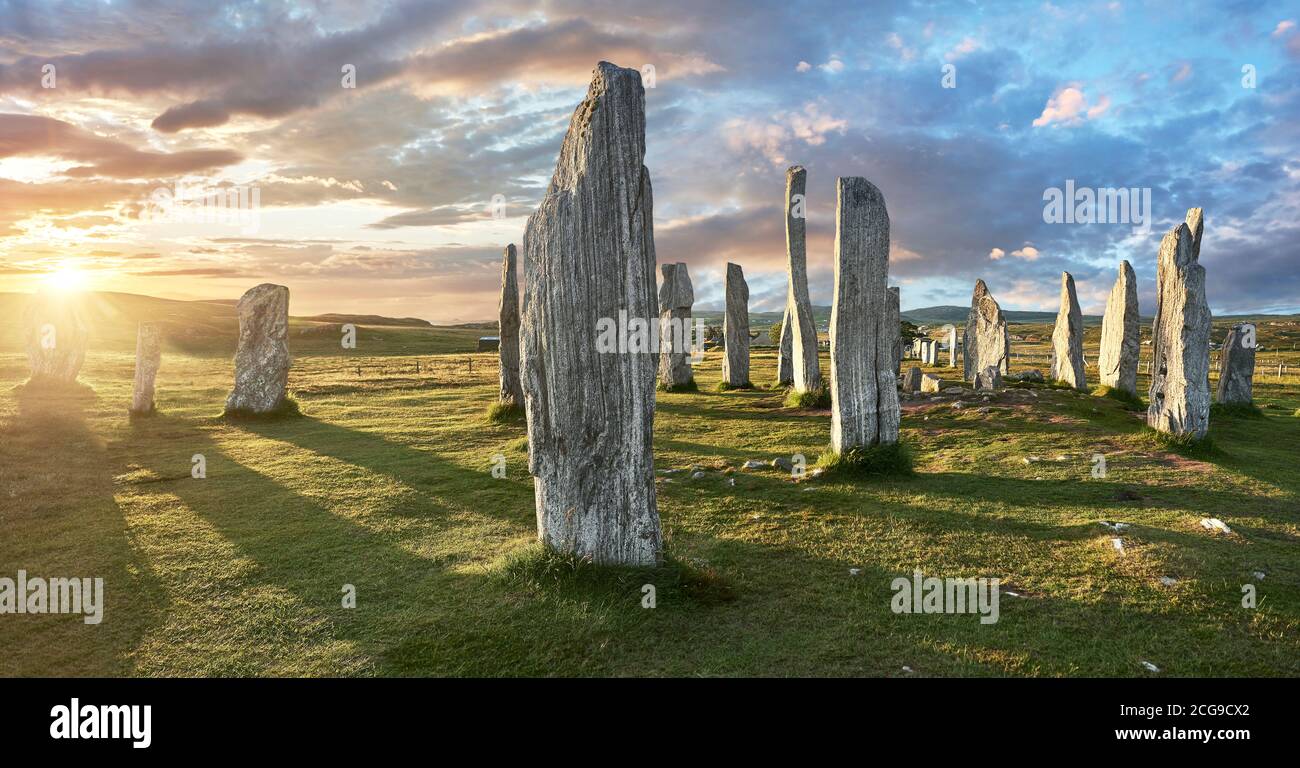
{"x":385,"y":484}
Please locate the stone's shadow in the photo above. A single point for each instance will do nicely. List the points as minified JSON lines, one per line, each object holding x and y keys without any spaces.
{"x":48,"y":452}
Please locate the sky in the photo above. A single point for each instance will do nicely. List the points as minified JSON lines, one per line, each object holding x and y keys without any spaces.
{"x":397,"y":196}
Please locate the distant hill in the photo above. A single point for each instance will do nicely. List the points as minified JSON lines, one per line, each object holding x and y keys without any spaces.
{"x":212,"y":328}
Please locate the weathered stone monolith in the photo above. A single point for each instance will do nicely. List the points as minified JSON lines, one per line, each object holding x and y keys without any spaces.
{"x":1179,"y":398}
{"x":1067,"y":338}
{"x":1120,"y":334}
{"x":784,"y":361}
{"x":864,"y":390}
{"x":985,"y":341}
{"x":803,"y":347}
{"x":1237,"y":368}
{"x":148,"y":356}
{"x":512,"y":391}
{"x":952,"y":346}
{"x":989,"y":379}
{"x":589,"y":255}
{"x":931,"y":383}
{"x":262,"y":358}
{"x":56,"y":338}
{"x":676,"y":297}
{"x":735,"y":330}
{"x":912,"y":380}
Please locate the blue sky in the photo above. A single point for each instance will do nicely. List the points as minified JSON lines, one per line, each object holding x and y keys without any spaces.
{"x":377,"y":198}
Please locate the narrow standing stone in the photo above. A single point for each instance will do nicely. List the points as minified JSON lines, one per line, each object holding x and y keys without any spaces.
{"x":56,"y":338}
{"x":512,"y":391}
{"x":1067,"y":338}
{"x":912,"y":380}
{"x":676,"y":297}
{"x":1180,"y":336}
{"x":864,"y":391}
{"x":735,"y":330}
{"x":1237,"y":367}
{"x":148,"y":357}
{"x":985,"y":341}
{"x":894,"y":327}
{"x":589,"y":255}
{"x":262,"y":359}
{"x":803,"y":347}
{"x":785,"y":361}
{"x":952,"y":346}
{"x":1120,"y":334}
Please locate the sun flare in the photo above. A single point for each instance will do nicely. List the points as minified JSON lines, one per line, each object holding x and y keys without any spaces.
{"x":67,"y":279}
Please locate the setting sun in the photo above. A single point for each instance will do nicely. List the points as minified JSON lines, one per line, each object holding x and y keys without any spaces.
{"x":67,"y":279}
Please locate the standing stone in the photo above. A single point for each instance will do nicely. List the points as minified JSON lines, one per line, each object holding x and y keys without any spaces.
{"x":676,"y":296}
{"x":1120,"y":334}
{"x":148,"y":356}
{"x":785,"y":362}
{"x":512,"y":391}
{"x":262,"y":358}
{"x":56,"y":337}
{"x":1180,"y":335}
{"x":864,"y":390}
{"x":589,"y":255}
{"x":735,"y":330}
{"x":803,"y":348}
{"x":893,"y":325}
{"x":931,"y":352}
{"x":931,"y":383}
{"x":1237,"y":367}
{"x":912,"y":380}
{"x":952,"y":346}
{"x":985,"y":341}
{"x":989,"y":379}
{"x":1067,"y":338}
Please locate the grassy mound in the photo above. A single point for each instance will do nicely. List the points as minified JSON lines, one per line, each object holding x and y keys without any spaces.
{"x":725,"y":387}
{"x":813,"y":398}
{"x":505,"y":413}
{"x":868,"y":461}
{"x":689,"y":386}
{"x":287,"y":409}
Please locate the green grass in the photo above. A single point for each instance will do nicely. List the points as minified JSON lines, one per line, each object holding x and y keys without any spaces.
{"x":813,"y":398}
{"x":504,"y":413}
{"x":689,"y":386}
{"x":288,"y":408}
{"x":869,"y":461}
{"x":1235,"y":411}
{"x":725,"y":387}
{"x":385,"y":484}
{"x":1129,"y":399}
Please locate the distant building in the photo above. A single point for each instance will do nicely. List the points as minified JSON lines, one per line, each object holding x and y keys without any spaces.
{"x":489,"y":343}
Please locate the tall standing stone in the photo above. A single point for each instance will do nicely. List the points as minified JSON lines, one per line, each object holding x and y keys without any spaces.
{"x":864,"y":393}
{"x":1067,"y":338}
{"x":952,"y":346}
{"x":1121,"y":344}
{"x":985,"y":341}
{"x":1237,"y":367}
{"x":512,"y":391}
{"x":148,"y":356}
{"x":262,"y":358}
{"x":676,"y":297}
{"x":1180,"y":336}
{"x":56,"y":338}
{"x":589,"y":255}
{"x":807,"y":375}
{"x":785,"y":351}
{"x":735,"y":329}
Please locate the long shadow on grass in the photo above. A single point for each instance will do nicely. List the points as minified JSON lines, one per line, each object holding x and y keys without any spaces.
{"x":65,"y":522}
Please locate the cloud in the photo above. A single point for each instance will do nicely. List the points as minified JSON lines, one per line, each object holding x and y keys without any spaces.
{"x":773,"y":137}
{"x":1028,"y":253}
{"x":1069,"y":106}
{"x":1183,"y":72}
{"x":966,"y":46}
{"x":996,"y":254}
{"x":33,"y":135}
{"x":1283,"y":27}
{"x":802,"y":66}
{"x":834,"y":66}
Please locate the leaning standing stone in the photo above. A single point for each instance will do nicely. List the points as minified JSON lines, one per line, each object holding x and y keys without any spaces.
{"x":912,"y":380}
{"x":676,"y":297}
{"x":1120,"y":342}
{"x":785,"y":362}
{"x":735,"y":330}
{"x":512,"y":392}
{"x":986,"y":341}
{"x":1180,"y":336}
{"x":56,"y":337}
{"x":1067,"y":338}
{"x":148,"y":356}
{"x":807,"y":376}
{"x":1237,"y":369}
{"x":589,"y":255}
{"x":262,"y":359}
{"x":864,"y":392}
